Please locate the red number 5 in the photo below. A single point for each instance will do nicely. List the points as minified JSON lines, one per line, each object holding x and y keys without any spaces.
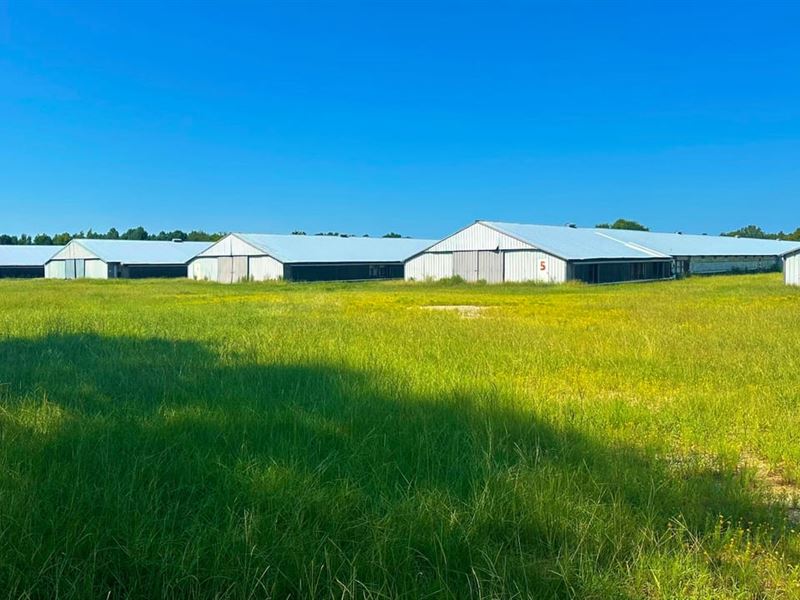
{"x":542,"y":265}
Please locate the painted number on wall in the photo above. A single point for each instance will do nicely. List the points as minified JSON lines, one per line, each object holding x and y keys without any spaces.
{"x":542,"y":265}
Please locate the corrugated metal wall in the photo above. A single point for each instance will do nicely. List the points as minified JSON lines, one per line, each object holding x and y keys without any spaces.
{"x":230,"y":269}
{"x":95,"y":269}
{"x":490,"y":266}
{"x":225,"y":269}
{"x":465,"y":265}
{"x":73,"y":250}
{"x":76,"y":268}
{"x":55,"y":270}
{"x":430,"y":265}
{"x":263,"y":268}
{"x":791,"y":270}
{"x":532,"y":265}
{"x":203,"y":269}
{"x":478,"y":237}
{"x":493,"y":267}
{"x":239,"y":269}
{"x":728,"y":264}
{"x":231,"y":245}
{"x":231,"y":260}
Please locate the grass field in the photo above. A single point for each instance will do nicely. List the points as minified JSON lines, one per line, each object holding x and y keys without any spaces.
{"x":182,"y":439}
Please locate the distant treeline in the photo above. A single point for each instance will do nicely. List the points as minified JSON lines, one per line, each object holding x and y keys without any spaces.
{"x":750,"y":231}
{"x":753,"y":231}
{"x":140,"y":233}
{"x":135,"y":233}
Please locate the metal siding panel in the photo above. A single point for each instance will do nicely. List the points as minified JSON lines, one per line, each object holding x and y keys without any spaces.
{"x":532,"y":265}
{"x":490,"y":266}
{"x":556,"y":269}
{"x":465,"y":265}
{"x":791,"y":270}
{"x":240,"y":271}
{"x":73,"y":250}
{"x":242,"y":248}
{"x":225,"y":269}
{"x":96,"y":269}
{"x":520,"y":266}
{"x":430,"y":266}
{"x":55,"y":269}
{"x":69,"y":269}
{"x":219,"y":248}
{"x":265,"y":268}
{"x":203,"y":269}
{"x":478,"y":237}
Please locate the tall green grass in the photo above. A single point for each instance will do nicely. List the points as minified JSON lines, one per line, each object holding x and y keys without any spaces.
{"x":182,"y":439}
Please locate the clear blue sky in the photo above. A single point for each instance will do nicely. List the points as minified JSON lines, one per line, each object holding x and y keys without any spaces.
{"x":418,"y":117}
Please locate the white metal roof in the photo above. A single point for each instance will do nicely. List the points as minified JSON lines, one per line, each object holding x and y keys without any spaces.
{"x":26,"y":256}
{"x":135,"y":252}
{"x":334,"y":249}
{"x":572,"y":243}
{"x":581,"y":243}
{"x":676,"y":244}
{"x":792,"y":252}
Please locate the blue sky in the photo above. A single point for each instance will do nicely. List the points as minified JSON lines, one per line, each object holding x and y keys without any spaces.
{"x":417,"y":117}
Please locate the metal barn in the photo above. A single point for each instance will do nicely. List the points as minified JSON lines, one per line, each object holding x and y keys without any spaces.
{"x":261,"y":257}
{"x":791,"y":267}
{"x":497,"y":252}
{"x":25,"y":261}
{"x":710,"y":254}
{"x":129,"y":259}
{"x":510,"y":252}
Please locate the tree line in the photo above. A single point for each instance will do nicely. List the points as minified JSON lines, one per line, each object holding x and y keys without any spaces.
{"x":134,"y":233}
{"x":140,"y":233}
{"x":749,"y":231}
{"x":753,"y":231}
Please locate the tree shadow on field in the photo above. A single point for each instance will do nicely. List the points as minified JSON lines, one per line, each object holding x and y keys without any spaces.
{"x":155,"y":468}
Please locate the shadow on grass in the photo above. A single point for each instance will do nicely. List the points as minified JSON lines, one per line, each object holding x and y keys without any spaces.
{"x":155,"y":468}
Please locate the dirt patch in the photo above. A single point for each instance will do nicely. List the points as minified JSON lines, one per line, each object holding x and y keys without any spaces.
{"x":781,"y":490}
{"x":767,"y":480}
{"x":467,"y":311}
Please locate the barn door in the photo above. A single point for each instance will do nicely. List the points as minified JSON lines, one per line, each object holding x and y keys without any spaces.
{"x":465,"y":265}
{"x":80,"y":268}
{"x":490,"y":266}
{"x":225,"y":269}
{"x":239,"y":269}
{"x":69,"y":268}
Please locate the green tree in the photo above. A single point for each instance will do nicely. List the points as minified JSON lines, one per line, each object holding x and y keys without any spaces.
{"x":794,"y":236}
{"x":167,"y":236}
{"x":61,"y":239}
{"x":135,"y":233}
{"x":623,"y":224}
{"x":751,"y":231}
{"x":202,"y":236}
{"x":43,"y":240}
{"x":392,"y":234}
